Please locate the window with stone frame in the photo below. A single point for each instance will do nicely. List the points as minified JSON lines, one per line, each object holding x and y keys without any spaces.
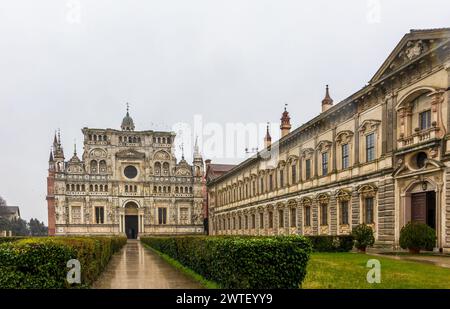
{"x":323,"y":214}
{"x":246,"y":222}
{"x":293,"y":173}
{"x":324,"y":163}
{"x":281,"y":178}
{"x":162,"y":215}
{"x":261,"y":220}
{"x":280,"y":218}
{"x":99,"y":215}
{"x":75,"y":212}
{"x":293,"y":216}
{"x":344,"y":212}
{"x":240,"y":222}
{"x":270,"y":182}
{"x":345,"y":156}
{"x":253,"y":221}
{"x":369,"y":210}
{"x":270,"y":219}
{"x":307,"y":169}
{"x":262,"y":185}
{"x":307,"y":215}
{"x":425,"y":120}
{"x":370,"y":147}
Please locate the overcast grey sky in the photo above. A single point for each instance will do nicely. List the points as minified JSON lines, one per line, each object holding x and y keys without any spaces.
{"x":71,"y":64}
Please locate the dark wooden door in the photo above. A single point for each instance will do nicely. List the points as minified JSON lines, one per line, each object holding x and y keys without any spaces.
{"x":131,"y":226}
{"x":419,"y":207}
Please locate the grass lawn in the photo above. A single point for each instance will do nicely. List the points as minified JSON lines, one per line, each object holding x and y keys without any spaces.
{"x":348,"y":271}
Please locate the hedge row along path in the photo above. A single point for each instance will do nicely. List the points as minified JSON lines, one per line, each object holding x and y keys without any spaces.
{"x":135,"y":267}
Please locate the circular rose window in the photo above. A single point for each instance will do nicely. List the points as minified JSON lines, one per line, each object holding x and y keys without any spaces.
{"x":130,"y":172}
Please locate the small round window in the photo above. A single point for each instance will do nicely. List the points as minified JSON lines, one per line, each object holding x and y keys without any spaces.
{"x":130,"y":172}
{"x":421,"y":158}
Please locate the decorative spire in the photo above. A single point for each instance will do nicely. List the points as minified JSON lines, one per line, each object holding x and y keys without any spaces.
{"x":267,"y":138}
{"x":285,"y":122}
{"x":51,"y":156}
{"x":197,"y":154}
{"x":182,"y":151}
{"x":58,"y":152}
{"x":327,"y":102}
{"x":75,"y":147}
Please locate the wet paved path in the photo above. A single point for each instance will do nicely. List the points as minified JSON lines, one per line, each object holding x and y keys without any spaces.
{"x":135,"y":267}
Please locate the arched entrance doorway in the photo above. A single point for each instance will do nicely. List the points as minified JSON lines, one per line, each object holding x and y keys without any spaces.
{"x":421,"y":204}
{"x":131,"y":220}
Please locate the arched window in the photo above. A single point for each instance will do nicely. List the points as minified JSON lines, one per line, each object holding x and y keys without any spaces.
{"x":104,"y":138}
{"x":126,"y":188}
{"x":190,"y":189}
{"x":78,"y":187}
{"x":67,"y":187}
{"x":186,"y":190}
{"x":72,"y":187}
{"x":159,"y":189}
{"x":157,"y":168}
{"x":181,"y":190}
{"x":176,"y":189}
{"x":159,"y":140}
{"x":135,"y":188}
{"x":165,"y":168}
{"x":155,"y":189}
{"x":102,"y":166}
{"x":130,"y":139}
{"x":96,"y":188}
{"x":95,"y":138}
{"x":168,"y":140}
{"x":134,"y":139}
{"x":154,"y":139}
{"x":120,"y":139}
{"x":91,"y":188}
{"x":90,"y":137}
{"x":94,"y":167}
{"x":106,"y":187}
{"x":169,"y":189}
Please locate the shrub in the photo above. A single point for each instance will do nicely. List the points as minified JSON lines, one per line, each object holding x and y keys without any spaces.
{"x":363,"y":235}
{"x":417,"y":236}
{"x":240,"y":262}
{"x":10,"y":239}
{"x":42,"y":262}
{"x":341,"y":243}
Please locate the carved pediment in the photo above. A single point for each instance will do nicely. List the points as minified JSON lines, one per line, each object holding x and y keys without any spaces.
{"x":130,"y":154}
{"x":369,"y":125}
{"x":324,"y":146}
{"x":413,"y":46}
{"x":183,"y":171}
{"x":344,"y":137}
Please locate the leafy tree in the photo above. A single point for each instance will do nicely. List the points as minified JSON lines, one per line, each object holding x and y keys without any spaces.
{"x":2,"y":201}
{"x":19,"y":227}
{"x":5,"y":224}
{"x":37,"y":228}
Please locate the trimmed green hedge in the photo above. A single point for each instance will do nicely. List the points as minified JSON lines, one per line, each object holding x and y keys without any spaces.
{"x":11,"y":239}
{"x":240,"y":262}
{"x":341,"y":243}
{"x":42,"y":262}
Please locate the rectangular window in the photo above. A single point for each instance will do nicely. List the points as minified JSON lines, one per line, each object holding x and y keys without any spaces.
{"x":324,"y":214}
{"x":281,"y":178}
{"x":76,"y":214}
{"x":280,"y":218}
{"x":425,"y":120}
{"x":253,"y":188}
{"x":262,"y":185}
{"x":246,"y":222}
{"x":99,"y":215}
{"x":368,"y":210}
{"x":270,"y":219}
{"x":162,"y":215}
{"x":240,"y":222}
{"x":307,"y":216}
{"x":308,"y":168}
{"x":228,"y":224}
{"x":270,"y":182}
{"x":344,"y":212}
{"x":294,"y":173}
{"x":293,"y":217}
{"x":370,"y":147}
{"x":253,"y":221}
{"x":261,"y":220}
{"x":345,"y":157}
{"x":234,"y":223}
{"x":324,"y":163}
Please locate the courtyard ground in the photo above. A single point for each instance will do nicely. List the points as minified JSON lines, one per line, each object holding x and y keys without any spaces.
{"x":135,"y":267}
{"x":349,"y":271}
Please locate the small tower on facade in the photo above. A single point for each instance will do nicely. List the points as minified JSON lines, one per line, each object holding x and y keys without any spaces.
{"x":198,"y":161}
{"x":327,"y":102}
{"x":267,"y":138}
{"x":58,"y":153}
{"x":285,"y":123}
{"x":127,"y":122}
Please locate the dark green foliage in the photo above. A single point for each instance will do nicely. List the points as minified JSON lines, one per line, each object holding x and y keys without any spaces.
{"x":240,"y":262}
{"x":341,"y":243}
{"x":37,"y":228}
{"x":417,"y":236}
{"x":42,"y":262}
{"x":363,"y":235}
{"x":10,"y":239}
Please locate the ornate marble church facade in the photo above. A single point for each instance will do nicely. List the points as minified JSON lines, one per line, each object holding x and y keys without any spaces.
{"x":380,"y":156}
{"x":127,"y":182}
